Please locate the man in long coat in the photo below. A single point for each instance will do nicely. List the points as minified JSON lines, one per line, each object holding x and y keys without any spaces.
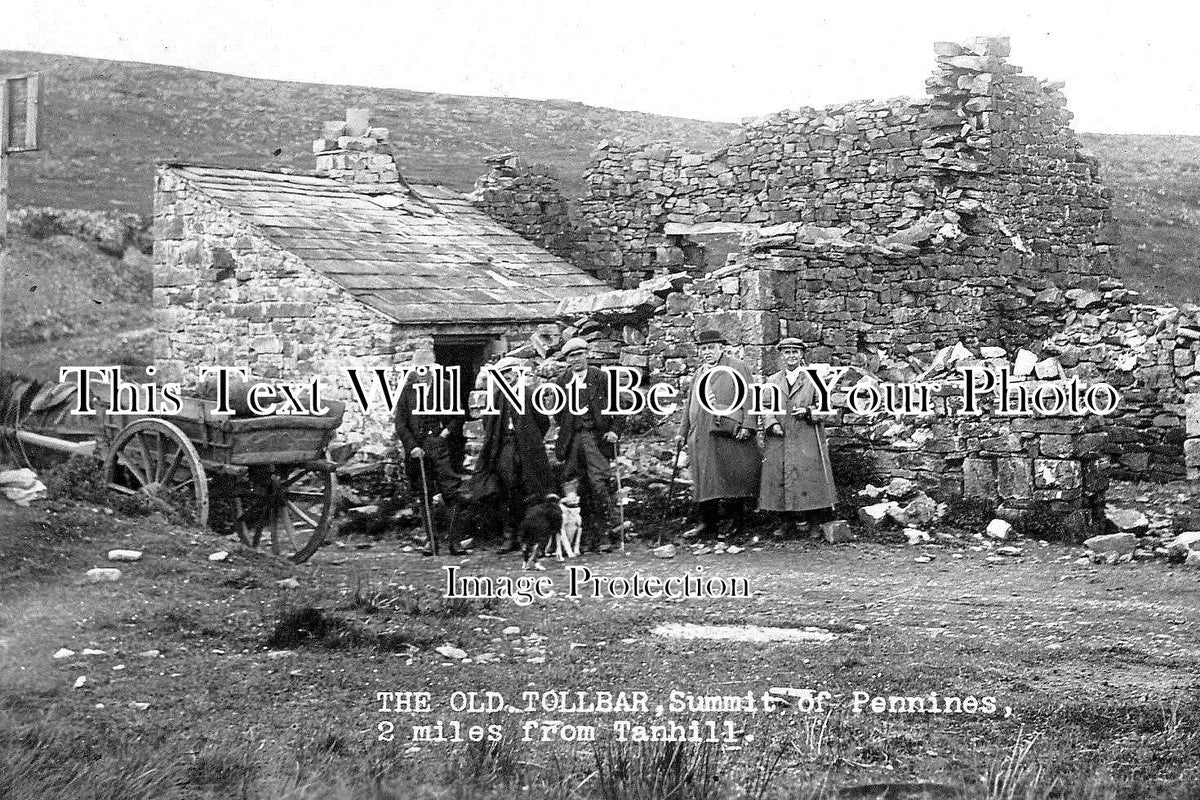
{"x":423,"y":438}
{"x":722,"y":450}
{"x":797,"y":478}
{"x":512,"y":463}
{"x":587,"y":442}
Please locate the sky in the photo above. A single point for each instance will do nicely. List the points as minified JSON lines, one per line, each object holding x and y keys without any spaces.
{"x":1128,"y":67}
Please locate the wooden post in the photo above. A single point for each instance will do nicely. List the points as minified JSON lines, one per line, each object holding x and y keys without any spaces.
{"x":16,"y":135}
{"x":3,"y":234}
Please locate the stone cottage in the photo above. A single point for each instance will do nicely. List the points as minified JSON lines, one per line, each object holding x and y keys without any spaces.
{"x":298,"y":276}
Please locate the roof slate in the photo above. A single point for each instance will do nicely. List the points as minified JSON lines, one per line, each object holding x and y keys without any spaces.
{"x":433,"y":258}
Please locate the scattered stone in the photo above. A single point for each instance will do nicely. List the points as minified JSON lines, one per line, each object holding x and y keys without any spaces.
{"x":1127,"y":519}
{"x":136,"y":706}
{"x":288,"y":583}
{"x":900,"y":487}
{"x":837,"y":532}
{"x":88,"y":651}
{"x":1009,"y":551}
{"x":124,"y":555}
{"x":449,"y":651}
{"x":220,"y":555}
{"x":103,"y":575}
{"x":1183,"y":544}
{"x":277,"y":654}
{"x":871,"y":491}
{"x":63,"y":652}
{"x":877,"y":514}
{"x":512,"y":630}
{"x":665,"y":551}
{"x":1117,"y":543}
{"x":998,"y":529}
{"x":150,"y":653}
{"x":79,"y":682}
{"x":1193,"y":558}
{"x":916,"y":536}
{"x":733,"y":549}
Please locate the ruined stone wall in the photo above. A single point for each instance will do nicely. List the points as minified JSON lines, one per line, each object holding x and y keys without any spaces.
{"x":225,"y":295}
{"x":980,"y":196}
{"x":527,"y":199}
{"x":1152,"y":355}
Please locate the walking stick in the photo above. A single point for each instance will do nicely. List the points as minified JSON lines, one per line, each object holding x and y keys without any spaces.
{"x":620,"y":505}
{"x":671,"y":490}
{"x":433,"y":545}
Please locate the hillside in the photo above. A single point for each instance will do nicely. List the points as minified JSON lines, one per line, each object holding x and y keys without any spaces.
{"x":109,"y":121}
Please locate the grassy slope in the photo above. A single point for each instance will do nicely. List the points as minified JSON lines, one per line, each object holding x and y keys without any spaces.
{"x":1156,"y":193}
{"x":1096,"y":663}
{"x":109,"y":121}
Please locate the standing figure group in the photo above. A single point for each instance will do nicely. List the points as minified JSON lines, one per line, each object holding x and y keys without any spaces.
{"x":790,"y":475}
{"x":513,"y":472}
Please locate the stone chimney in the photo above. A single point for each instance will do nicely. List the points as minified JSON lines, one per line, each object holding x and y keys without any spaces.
{"x":355,"y":153}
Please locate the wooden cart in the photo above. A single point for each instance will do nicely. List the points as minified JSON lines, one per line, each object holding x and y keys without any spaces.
{"x":273,"y":469}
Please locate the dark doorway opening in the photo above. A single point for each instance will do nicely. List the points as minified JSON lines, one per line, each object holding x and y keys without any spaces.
{"x":469,"y":354}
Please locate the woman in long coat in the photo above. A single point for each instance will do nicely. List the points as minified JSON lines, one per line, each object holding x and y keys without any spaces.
{"x":796,"y":472}
{"x":723,"y":450}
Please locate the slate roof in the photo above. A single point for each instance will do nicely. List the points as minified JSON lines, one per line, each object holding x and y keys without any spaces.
{"x":421,"y":254}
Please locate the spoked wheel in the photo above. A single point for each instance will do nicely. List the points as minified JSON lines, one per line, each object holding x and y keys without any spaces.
{"x":286,"y":507}
{"x":153,"y":458}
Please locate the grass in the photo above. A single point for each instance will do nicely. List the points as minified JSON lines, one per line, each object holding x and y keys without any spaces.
{"x":259,"y":691}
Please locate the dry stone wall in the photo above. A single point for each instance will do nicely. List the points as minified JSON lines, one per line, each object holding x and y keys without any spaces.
{"x":526,"y":198}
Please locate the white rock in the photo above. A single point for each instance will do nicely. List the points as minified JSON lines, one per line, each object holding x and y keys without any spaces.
{"x":899,"y":487}
{"x":1009,"y":551}
{"x":511,"y":630}
{"x":916,"y":536}
{"x":1126,"y":519}
{"x":220,"y":555}
{"x":998,"y":529}
{"x":288,"y":583}
{"x":875,"y":515}
{"x":1193,"y":558}
{"x":79,"y":682}
{"x":124,"y":555}
{"x":63,"y":652}
{"x":136,"y":706}
{"x":449,"y":651}
{"x":150,"y":653}
{"x":1024,"y":363}
{"x":870,"y":491}
{"x":1183,"y":543}
{"x":992,"y":352}
{"x":666,"y":551}
{"x":734,"y":549}
{"x":88,"y":651}
{"x":103,"y":575}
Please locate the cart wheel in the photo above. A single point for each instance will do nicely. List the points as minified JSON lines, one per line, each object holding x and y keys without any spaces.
{"x":291,"y":503}
{"x":153,"y":458}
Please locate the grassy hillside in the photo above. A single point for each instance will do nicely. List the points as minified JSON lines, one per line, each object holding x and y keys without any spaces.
{"x":109,"y":121}
{"x":1156,"y":199}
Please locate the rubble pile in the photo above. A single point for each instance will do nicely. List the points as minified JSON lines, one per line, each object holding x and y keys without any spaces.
{"x":353,"y":151}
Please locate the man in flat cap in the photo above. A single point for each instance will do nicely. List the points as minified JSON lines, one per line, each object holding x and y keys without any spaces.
{"x":512,"y":464}
{"x":797,"y":479}
{"x":423,"y":438}
{"x":722,"y":448}
{"x":587,"y":442}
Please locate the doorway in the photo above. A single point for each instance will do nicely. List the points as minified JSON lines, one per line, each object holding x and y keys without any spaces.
{"x":469,"y":354}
